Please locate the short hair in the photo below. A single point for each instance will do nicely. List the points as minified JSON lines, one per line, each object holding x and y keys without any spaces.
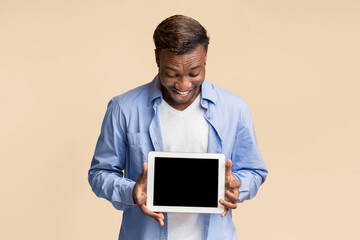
{"x":180,"y":34}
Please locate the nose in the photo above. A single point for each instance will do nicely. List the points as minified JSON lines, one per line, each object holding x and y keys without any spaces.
{"x":183,"y":84}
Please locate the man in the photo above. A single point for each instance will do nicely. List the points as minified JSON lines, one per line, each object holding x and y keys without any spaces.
{"x":178,"y":111}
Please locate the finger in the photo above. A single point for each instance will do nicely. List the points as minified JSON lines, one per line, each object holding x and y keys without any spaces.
{"x":160,"y":221}
{"x":223,"y":214}
{"x":233,"y":184}
{"x":161,"y":218}
{"x":161,"y":215}
{"x":157,"y":216}
{"x":231,"y":197}
{"x":228,"y":204}
{"x":228,"y":171}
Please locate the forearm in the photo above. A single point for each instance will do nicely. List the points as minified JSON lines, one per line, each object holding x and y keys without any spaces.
{"x":112,"y":186}
{"x":248,"y":165}
{"x":251,"y":181}
{"x":105,"y":175}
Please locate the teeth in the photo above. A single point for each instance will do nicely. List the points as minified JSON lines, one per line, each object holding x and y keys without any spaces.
{"x":182,"y":93}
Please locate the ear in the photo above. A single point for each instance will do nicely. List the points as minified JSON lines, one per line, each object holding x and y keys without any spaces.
{"x":157,"y":58}
{"x":205,"y":59}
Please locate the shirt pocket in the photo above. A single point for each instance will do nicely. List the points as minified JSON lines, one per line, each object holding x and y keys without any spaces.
{"x":139,"y":145}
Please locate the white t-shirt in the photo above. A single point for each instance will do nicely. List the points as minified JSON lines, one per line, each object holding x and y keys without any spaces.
{"x":184,"y":131}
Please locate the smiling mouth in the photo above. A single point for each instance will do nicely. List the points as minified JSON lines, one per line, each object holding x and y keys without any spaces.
{"x":182,"y":93}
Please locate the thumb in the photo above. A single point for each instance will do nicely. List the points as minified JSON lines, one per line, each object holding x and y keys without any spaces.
{"x":228,"y":165}
{"x":144,"y":173}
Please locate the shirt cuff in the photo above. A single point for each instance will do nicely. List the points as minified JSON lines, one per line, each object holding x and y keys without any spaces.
{"x":129,"y":194}
{"x":243,"y":195}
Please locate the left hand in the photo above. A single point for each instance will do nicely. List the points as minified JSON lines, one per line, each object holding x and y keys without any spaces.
{"x":232,"y":186}
{"x":139,"y":196}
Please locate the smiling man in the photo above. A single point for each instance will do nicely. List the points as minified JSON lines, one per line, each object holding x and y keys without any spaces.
{"x":179,"y":111}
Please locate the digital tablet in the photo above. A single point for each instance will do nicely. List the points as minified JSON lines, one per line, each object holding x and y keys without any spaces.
{"x":185,"y":182}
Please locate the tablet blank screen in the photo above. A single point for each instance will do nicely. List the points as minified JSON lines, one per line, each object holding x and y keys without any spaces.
{"x":186,"y":182}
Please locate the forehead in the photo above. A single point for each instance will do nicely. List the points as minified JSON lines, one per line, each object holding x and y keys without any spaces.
{"x":196,"y":57}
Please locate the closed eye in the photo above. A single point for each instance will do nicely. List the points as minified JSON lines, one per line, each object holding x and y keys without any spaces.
{"x":194,"y":75}
{"x":170,"y":75}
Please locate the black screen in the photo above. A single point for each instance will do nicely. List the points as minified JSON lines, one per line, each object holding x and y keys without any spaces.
{"x":186,"y":182}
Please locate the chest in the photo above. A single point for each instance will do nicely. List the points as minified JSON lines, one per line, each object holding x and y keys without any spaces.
{"x":183,"y":131}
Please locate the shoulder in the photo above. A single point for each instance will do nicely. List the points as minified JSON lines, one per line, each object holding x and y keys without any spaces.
{"x":228,"y":98}
{"x":136,"y":96}
{"x":232,"y":105}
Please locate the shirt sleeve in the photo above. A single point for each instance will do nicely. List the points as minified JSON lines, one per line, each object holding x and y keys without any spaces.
{"x":248,"y":166}
{"x":105,"y":175}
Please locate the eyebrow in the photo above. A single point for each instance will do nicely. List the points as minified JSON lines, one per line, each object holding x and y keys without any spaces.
{"x":191,"y":69}
{"x":195,"y":67}
{"x":172,"y":69}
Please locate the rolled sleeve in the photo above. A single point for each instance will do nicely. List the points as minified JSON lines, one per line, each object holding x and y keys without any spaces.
{"x":105,"y":176}
{"x":248,"y":165}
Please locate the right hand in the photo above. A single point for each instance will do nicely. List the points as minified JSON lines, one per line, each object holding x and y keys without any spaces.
{"x":232,"y":186}
{"x":139,"y":196}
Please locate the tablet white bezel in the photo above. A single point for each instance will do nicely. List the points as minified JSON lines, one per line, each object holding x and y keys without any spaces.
{"x":150,"y":182}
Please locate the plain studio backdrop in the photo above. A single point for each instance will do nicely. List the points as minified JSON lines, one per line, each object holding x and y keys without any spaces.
{"x":296,"y":63}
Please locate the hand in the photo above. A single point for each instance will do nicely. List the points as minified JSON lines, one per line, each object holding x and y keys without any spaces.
{"x":232,"y":186}
{"x":139,"y":196}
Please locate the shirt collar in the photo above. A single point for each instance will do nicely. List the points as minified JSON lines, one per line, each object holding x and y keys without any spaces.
{"x":155,"y":89}
{"x":207,"y":91}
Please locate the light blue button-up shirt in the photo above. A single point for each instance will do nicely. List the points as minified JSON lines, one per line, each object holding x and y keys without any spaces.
{"x":131,"y":129}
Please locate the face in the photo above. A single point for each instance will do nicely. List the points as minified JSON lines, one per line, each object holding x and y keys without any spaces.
{"x":181,"y":76}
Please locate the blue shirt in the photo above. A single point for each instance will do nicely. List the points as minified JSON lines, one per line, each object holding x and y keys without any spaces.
{"x":131,"y":129}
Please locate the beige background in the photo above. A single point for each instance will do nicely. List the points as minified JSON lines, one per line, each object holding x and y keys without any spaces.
{"x":296,"y":63}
